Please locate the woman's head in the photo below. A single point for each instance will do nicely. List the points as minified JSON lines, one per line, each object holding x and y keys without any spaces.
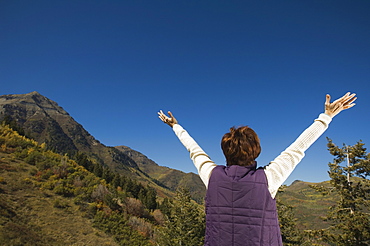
{"x":241,"y":146}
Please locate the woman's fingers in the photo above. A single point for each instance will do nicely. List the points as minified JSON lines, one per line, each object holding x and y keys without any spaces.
{"x":162,"y":116}
{"x":345,"y":102}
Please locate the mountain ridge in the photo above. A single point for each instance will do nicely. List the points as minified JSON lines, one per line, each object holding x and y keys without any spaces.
{"x":45,"y":121}
{"x":167,"y":176}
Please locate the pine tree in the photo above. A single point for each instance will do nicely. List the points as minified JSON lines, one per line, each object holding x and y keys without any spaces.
{"x":185,"y":225}
{"x":107,"y":174}
{"x":166,"y":206}
{"x":98,"y":170}
{"x":350,"y":217}
{"x":150,"y":200}
{"x":116,"y":180}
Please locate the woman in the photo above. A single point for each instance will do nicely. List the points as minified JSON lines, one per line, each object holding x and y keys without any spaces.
{"x":240,"y":200}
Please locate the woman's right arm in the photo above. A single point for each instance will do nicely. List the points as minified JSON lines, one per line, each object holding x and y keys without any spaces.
{"x":201,"y":160}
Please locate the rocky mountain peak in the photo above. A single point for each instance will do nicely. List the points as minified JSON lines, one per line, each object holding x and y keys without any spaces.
{"x":29,"y":105}
{"x":34,"y":93}
{"x":45,"y":121}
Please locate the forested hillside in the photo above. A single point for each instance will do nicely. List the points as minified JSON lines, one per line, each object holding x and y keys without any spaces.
{"x":47,"y":197}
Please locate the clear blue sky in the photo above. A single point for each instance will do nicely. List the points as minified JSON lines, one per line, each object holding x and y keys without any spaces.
{"x":215,"y":64}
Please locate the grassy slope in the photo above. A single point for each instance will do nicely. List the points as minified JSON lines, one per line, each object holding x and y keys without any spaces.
{"x":30,"y":216}
{"x":309,"y":205}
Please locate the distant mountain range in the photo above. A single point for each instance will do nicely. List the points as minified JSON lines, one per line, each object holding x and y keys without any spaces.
{"x":45,"y":121}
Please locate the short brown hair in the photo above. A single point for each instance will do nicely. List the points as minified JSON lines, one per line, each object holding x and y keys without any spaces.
{"x":241,"y":146}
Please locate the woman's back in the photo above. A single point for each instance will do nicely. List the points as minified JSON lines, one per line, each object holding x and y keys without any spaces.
{"x":240,"y":209}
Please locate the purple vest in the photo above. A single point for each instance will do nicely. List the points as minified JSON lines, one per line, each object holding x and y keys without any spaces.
{"x":240,"y":209}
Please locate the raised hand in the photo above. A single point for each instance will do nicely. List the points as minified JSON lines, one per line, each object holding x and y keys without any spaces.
{"x":171,"y":121}
{"x":345,"y":102}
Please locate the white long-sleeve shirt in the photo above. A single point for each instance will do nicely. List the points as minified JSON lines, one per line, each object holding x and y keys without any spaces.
{"x":277,"y":171}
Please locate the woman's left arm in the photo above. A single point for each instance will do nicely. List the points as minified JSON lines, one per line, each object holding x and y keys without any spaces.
{"x":279,"y":169}
{"x":282,"y":166}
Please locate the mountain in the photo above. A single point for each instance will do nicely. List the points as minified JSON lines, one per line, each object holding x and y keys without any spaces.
{"x":171,"y":178}
{"x":45,"y":121}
